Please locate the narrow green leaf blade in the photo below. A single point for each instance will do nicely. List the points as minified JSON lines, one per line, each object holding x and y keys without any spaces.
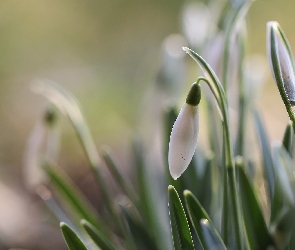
{"x":72,"y":239}
{"x":268,"y":169}
{"x":182,"y":238}
{"x":98,"y":238}
{"x":282,"y":210}
{"x":69,"y":106}
{"x":196,"y":214}
{"x":288,"y":140}
{"x":257,"y":232}
{"x":119,"y":177}
{"x":141,"y":234}
{"x":72,"y":196}
{"x":211,"y":239}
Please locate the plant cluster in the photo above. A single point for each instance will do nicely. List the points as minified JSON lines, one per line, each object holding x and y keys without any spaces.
{"x":214,"y":195}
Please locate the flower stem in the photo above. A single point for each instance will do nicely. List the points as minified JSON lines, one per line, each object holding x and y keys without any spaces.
{"x":219,"y":94}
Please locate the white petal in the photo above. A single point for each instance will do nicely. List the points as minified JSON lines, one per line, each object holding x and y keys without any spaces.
{"x":183,"y":140}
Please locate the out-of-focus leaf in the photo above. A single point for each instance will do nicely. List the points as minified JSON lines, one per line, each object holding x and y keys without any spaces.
{"x":283,"y":208}
{"x":70,"y":107}
{"x":72,"y":196}
{"x":191,"y":178}
{"x":46,"y":195}
{"x":288,"y":140}
{"x":244,"y":98}
{"x":236,"y":18}
{"x":182,"y":238}
{"x":196,"y":214}
{"x":268,"y":169}
{"x":211,"y":239}
{"x":72,"y":239}
{"x":118,"y":175}
{"x":257,"y":232}
{"x":99,"y":239}
{"x":150,"y":190}
{"x":284,"y":173}
{"x":141,"y":234}
{"x":284,"y":185}
{"x":207,"y":182}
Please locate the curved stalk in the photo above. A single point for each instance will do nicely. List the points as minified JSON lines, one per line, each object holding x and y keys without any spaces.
{"x":220,"y":96}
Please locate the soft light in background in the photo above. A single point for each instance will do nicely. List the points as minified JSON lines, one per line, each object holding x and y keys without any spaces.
{"x":107,"y":54}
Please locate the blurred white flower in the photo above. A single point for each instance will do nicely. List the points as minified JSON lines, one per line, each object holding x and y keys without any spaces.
{"x":184,"y":135}
{"x":43,"y":143}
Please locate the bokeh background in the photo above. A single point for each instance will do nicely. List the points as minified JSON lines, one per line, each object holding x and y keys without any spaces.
{"x":107,"y":53}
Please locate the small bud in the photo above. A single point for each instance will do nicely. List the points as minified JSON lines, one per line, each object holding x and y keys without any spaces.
{"x":184,"y":135}
{"x":281,"y":60}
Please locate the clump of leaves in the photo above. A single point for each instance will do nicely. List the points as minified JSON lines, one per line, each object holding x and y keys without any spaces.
{"x":215,"y":203}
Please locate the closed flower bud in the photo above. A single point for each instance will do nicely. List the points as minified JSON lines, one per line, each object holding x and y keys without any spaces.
{"x":281,"y":61}
{"x":184,"y":135}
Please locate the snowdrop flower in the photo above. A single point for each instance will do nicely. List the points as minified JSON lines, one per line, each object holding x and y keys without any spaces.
{"x":281,"y":61}
{"x":184,"y":135}
{"x":43,"y":142}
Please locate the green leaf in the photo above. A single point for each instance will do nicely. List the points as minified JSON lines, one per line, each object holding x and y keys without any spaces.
{"x":54,"y":206}
{"x":99,"y":239}
{"x":196,"y":214}
{"x":284,"y":184}
{"x":150,"y":193}
{"x":283,"y":208}
{"x":72,"y":239}
{"x":182,"y":238}
{"x":72,"y":196}
{"x":140,"y":233}
{"x":212,"y":240}
{"x":284,"y":173}
{"x":236,"y":19}
{"x":70,"y":107}
{"x":288,"y":140}
{"x":268,"y":170}
{"x":119,"y":177}
{"x":257,"y":232}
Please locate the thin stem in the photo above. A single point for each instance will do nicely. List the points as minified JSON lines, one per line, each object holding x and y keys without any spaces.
{"x":229,"y":163}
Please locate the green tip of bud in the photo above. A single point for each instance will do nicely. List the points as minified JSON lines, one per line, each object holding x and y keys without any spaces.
{"x":194,"y":95}
{"x":50,"y":116}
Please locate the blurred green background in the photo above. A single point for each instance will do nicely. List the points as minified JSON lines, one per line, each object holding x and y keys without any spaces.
{"x":107,"y":54}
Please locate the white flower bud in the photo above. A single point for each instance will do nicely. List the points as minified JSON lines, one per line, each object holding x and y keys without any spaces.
{"x":184,"y":135}
{"x":280,"y":58}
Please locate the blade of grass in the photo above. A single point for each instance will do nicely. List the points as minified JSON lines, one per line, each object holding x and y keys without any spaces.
{"x":257,"y":232}
{"x":211,"y":239}
{"x":236,"y":18}
{"x":150,"y":192}
{"x":140,"y":233}
{"x":118,"y":175}
{"x":46,"y":195}
{"x":182,"y":238}
{"x":98,"y":238}
{"x":282,"y":210}
{"x":72,"y":239}
{"x":288,"y":140}
{"x":196,"y":214}
{"x":70,"y":107}
{"x":268,"y":170}
{"x":72,"y":196}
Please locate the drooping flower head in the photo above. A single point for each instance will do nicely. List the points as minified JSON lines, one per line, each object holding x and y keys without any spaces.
{"x":184,"y":135}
